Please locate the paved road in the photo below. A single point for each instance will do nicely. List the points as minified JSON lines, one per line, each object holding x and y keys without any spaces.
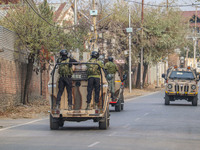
{"x":146,"y":124}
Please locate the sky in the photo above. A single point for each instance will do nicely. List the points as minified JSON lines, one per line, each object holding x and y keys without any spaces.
{"x":178,"y":2}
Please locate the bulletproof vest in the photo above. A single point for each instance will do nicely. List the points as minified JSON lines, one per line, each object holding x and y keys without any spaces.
{"x":64,"y":69}
{"x":111,"y":68}
{"x":93,"y":69}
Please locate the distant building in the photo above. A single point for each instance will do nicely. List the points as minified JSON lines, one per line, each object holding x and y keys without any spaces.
{"x":9,"y":1}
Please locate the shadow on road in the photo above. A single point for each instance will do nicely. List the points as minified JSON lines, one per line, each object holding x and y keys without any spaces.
{"x":79,"y":128}
{"x":180,"y":105}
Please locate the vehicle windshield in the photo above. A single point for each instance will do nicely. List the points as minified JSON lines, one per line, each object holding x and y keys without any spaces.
{"x":182,"y":75}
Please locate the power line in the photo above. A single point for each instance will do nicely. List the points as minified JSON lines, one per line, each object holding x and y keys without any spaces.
{"x":153,"y":5}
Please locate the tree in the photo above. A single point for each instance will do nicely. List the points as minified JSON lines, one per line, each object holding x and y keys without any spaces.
{"x":163,"y":32}
{"x":33,"y":33}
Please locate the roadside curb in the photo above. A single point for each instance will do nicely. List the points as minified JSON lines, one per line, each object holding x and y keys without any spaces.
{"x":130,"y":98}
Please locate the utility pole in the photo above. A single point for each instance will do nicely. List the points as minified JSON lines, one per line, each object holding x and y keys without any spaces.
{"x":130,"y":81}
{"x":75,"y":12}
{"x":95,"y":26}
{"x":167,"y":4}
{"x":166,"y":63}
{"x":195,"y":38}
{"x":187,"y":51}
{"x":141,"y":53}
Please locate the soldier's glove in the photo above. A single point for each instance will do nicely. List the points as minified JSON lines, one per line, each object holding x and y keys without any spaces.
{"x":106,"y":72}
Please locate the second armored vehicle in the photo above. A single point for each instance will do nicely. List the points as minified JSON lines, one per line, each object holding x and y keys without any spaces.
{"x":181,"y":84}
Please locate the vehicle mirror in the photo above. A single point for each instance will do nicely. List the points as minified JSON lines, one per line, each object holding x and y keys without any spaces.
{"x":124,"y":77}
{"x":198,"y":78}
{"x":163,"y":75}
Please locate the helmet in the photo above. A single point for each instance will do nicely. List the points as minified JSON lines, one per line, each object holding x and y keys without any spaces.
{"x":64,"y":53}
{"x":95,"y":54}
{"x":110,"y":59}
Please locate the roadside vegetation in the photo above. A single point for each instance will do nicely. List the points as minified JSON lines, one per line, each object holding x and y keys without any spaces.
{"x":164,"y":31}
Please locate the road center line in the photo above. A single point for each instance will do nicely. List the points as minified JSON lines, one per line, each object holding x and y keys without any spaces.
{"x":95,"y":143}
{"x":126,"y":126}
{"x":112,"y":134}
{"x":146,"y":114}
{"x":137,"y":119}
{"x":22,"y":124}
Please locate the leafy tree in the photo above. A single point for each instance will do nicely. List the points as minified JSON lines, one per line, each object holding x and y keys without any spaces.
{"x":33,"y":34}
{"x":163,"y":32}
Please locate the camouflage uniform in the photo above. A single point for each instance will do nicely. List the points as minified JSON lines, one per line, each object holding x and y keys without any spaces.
{"x":65,"y":71}
{"x":93,"y":72}
{"x":111,"y":69}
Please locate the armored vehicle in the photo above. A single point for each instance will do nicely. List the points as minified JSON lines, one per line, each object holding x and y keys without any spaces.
{"x":118,"y":101}
{"x":79,"y":97}
{"x":181,"y":84}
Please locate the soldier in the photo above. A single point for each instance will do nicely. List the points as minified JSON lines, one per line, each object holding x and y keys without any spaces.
{"x":65,"y":71}
{"x":111,"y":69}
{"x":93,"y":72}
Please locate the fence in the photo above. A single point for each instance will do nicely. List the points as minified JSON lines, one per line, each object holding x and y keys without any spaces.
{"x":13,"y":66}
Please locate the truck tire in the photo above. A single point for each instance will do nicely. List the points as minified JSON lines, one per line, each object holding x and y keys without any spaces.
{"x":122,"y":101}
{"x":167,"y":99}
{"x":118,"y":106}
{"x":194,"y":101}
{"x":61,"y":123}
{"x":122,"y":106}
{"x":103,"y":125}
{"x":54,"y":124}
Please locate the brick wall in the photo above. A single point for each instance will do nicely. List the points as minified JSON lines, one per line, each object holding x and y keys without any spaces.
{"x":12,"y":79}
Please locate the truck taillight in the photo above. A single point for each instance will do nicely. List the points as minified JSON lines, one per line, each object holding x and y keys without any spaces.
{"x":166,"y":81}
{"x":56,"y":111}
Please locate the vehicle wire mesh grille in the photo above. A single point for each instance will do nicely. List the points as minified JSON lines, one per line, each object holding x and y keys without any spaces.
{"x":179,"y":88}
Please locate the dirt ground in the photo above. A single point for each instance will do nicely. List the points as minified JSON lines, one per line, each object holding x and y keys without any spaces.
{"x":39,"y":108}
{"x":140,"y":92}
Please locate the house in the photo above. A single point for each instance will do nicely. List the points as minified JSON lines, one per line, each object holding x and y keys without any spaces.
{"x":63,"y":13}
{"x":190,"y":16}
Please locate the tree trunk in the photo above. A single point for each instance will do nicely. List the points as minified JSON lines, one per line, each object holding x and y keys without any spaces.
{"x":28,"y":79}
{"x":138,"y":77}
{"x":145,"y":72}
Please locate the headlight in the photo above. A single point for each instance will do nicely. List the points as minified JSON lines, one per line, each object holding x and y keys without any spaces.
{"x":193,"y":87}
{"x":169,"y":86}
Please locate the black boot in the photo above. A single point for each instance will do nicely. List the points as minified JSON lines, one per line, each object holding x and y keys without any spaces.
{"x":69,"y":107}
{"x":88,"y":106}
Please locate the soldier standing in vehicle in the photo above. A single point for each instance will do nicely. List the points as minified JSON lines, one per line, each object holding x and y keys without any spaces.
{"x":65,"y":71}
{"x":111,"y":69}
{"x":93,"y":72}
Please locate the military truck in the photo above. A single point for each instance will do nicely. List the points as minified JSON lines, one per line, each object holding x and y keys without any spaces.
{"x":79,"y":97}
{"x":181,"y":84}
{"x":118,"y":101}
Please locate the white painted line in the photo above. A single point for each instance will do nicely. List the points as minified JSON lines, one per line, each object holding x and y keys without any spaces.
{"x":112,"y":134}
{"x":146,"y":114}
{"x":131,"y":99}
{"x":137,"y":119}
{"x":95,"y":143}
{"x":126,"y":126}
{"x":19,"y":125}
